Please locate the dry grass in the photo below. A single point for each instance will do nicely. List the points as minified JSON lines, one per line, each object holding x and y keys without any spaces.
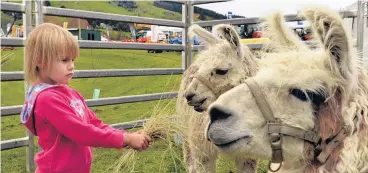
{"x":163,"y":124}
{"x":160,"y":126}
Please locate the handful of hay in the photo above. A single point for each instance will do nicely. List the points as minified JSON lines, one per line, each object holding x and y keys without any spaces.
{"x":163,"y":125}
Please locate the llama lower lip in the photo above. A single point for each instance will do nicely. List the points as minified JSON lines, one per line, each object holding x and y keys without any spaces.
{"x":196,"y":104}
{"x":233,"y":142}
{"x":198,"y":108}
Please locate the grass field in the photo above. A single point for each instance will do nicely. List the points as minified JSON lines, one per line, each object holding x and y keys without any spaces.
{"x":153,"y":160}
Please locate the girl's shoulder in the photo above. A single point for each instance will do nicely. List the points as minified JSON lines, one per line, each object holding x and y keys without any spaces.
{"x":43,"y":87}
{"x":47,"y":90}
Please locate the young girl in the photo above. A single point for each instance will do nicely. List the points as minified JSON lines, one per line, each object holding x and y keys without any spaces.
{"x":56,"y":113}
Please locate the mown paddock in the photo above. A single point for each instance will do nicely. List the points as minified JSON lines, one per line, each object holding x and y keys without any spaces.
{"x":39,"y":10}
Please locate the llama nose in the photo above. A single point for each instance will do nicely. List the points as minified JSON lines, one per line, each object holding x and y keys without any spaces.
{"x":219,"y":113}
{"x":189,"y":96}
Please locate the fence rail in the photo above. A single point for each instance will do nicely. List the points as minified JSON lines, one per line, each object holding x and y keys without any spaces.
{"x":257,"y":45}
{"x":19,"y":42}
{"x":14,"y":110}
{"x":19,"y":75}
{"x":22,"y":142}
{"x":13,"y":42}
{"x":14,"y":143}
{"x":12,"y":7}
{"x":254,"y":20}
{"x":52,"y":11}
{"x":199,"y":2}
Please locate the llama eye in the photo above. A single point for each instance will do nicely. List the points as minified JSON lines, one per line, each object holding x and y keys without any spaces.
{"x":298,"y":94}
{"x":221,"y":72}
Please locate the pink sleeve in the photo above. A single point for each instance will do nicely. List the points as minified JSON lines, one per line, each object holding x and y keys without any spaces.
{"x":98,"y":123}
{"x":62,"y":116}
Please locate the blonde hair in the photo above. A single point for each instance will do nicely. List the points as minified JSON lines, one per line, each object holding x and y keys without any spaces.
{"x":45,"y":44}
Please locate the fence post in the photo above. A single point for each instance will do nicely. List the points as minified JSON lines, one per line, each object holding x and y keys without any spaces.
{"x":360,"y":28}
{"x":27,"y":25}
{"x":39,"y":20}
{"x":39,"y":12}
{"x":187,"y":18}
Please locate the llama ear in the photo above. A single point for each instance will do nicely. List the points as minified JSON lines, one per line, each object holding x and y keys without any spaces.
{"x":229,"y":33}
{"x":204,"y":35}
{"x":281,"y":37}
{"x":328,"y":28}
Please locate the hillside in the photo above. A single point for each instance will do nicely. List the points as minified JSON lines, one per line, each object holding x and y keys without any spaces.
{"x":152,"y":9}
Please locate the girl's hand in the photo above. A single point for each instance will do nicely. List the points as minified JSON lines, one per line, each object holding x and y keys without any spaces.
{"x":137,"y":141}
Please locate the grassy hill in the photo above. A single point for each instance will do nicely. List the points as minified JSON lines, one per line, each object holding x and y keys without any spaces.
{"x":144,"y":9}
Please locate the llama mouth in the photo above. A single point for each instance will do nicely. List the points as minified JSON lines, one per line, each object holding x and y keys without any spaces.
{"x":198,"y":107}
{"x":227,"y":144}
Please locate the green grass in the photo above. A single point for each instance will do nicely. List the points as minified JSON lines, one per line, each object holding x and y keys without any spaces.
{"x":144,"y":9}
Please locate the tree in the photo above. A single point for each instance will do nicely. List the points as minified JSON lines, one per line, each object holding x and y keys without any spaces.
{"x":130,"y":5}
{"x":121,"y":26}
{"x":47,"y":3}
{"x":201,"y":15}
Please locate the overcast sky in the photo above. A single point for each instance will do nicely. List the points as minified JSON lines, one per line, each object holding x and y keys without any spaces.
{"x":257,"y":8}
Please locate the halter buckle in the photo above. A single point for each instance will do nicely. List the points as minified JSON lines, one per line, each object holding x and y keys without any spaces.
{"x":275,"y":140}
{"x":274,"y":170}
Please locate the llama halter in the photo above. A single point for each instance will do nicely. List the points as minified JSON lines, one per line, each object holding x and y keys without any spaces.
{"x":205,"y":82}
{"x":213,"y":88}
{"x":276,"y":129}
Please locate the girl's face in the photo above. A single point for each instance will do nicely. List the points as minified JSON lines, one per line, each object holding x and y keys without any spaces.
{"x":60,"y":72}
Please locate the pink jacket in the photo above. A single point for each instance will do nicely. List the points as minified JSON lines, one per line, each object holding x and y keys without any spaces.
{"x":67,"y":129}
